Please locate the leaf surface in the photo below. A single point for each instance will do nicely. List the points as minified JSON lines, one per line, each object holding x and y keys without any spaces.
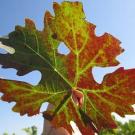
{"x":67,"y":81}
{"x":33,"y":51}
{"x":115,"y":94}
{"x":28,"y":98}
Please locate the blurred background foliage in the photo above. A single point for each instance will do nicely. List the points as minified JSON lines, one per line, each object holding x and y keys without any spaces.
{"x":123,"y":129}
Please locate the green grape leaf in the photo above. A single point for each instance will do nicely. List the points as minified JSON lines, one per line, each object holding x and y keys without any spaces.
{"x":67,"y":81}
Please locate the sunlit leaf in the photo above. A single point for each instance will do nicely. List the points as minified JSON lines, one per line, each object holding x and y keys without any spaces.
{"x":67,"y":81}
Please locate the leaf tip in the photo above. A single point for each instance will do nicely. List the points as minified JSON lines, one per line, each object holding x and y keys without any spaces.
{"x":47,"y":18}
{"x":29,"y":23}
{"x":56,"y":6}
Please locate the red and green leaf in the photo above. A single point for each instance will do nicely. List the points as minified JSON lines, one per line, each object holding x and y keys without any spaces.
{"x":67,"y":81}
{"x":28,"y":98}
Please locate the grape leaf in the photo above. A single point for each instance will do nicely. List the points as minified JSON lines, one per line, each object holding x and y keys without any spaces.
{"x":67,"y":81}
{"x":28,"y":98}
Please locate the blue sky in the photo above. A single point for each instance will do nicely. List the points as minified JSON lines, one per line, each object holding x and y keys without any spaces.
{"x":116,"y":17}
